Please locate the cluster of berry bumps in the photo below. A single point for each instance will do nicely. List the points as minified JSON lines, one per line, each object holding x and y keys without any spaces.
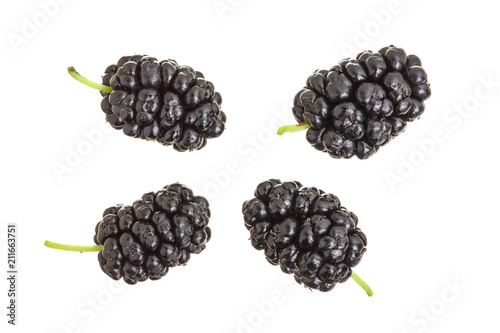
{"x":305,"y":231}
{"x":360,"y":104}
{"x":162,"y":101}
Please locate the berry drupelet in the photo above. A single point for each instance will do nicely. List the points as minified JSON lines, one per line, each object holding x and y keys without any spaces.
{"x":306,"y":232}
{"x":360,"y":104}
{"x":159,"y":231}
{"x":161,"y":101}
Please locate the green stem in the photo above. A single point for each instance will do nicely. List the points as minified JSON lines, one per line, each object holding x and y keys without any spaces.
{"x":77,"y":248}
{"x":72,"y":71}
{"x":362,"y":284}
{"x":292,"y":128}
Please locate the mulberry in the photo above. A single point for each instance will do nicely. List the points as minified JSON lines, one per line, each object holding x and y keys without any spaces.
{"x":159,"y":231}
{"x":160,"y":101}
{"x":306,"y":232}
{"x":360,"y":104}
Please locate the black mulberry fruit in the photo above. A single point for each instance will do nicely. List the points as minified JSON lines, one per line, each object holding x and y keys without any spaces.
{"x":360,"y":104}
{"x":161,"y":101}
{"x":306,"y":232}
{"x":159,"y":231}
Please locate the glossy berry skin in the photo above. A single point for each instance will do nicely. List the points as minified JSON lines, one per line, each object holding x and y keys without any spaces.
{"x":305,"y":231}
{"x":360,"y":104}
{"x":162,"y":101}
{"x":159,"y":231}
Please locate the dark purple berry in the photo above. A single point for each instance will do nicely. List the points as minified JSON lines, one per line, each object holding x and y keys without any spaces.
{"x":305,"y":231}
{"x":360,"y":104}
{"x":162,"y":101}
{"x":159,"y":231}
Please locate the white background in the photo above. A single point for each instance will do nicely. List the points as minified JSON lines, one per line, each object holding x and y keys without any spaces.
{"x":434,"y":226}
